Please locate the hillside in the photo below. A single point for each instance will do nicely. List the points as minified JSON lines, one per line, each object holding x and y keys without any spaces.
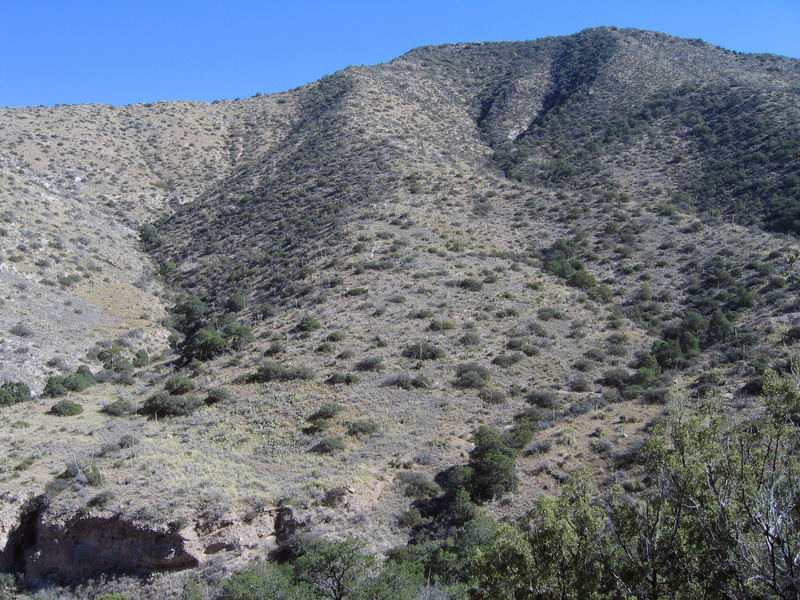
{"x":295,"y":312}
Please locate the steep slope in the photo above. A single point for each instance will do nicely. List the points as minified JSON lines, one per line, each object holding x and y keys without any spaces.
{"x":553,"y":238}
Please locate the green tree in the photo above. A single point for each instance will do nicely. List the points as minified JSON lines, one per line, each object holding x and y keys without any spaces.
{"x":336,"y":570}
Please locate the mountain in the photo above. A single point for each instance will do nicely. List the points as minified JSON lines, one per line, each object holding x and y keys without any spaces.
{"x":295,"y":312}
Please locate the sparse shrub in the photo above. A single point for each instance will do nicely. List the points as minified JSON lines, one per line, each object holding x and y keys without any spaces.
{"x":371,"y":363}
{"x":334,"y":496}
{"x":471,"y":375}
{"x":423,"y":351}
{"x":346,"y":378}
{"x":22,"y":330}
{"x":492,"y":396}
{"x":417,"y":485}
{"x":66,"y":408}
{"x":423,"y":313}
{"x":470,"y":339}
{"x":540,"y":446}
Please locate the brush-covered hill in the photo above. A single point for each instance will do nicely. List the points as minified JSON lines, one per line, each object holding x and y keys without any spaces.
{"x":308,"y":303}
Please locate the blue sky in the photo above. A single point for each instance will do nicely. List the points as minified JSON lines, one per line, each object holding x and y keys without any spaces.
{"x":121,"y":52}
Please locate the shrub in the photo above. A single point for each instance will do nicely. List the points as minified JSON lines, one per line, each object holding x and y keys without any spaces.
{"x":308,"y":324}
{"x":329,"y":445}
{"x":363,"y":427}
{"x":326,"y":411}
{"x":142,"y":359}
{"x":471,"y":375}
{"x":471,"y":284}
{"x":544,"y":399}
{"x":336,"y":336}
{"x":162,"y":404}
{"x":417,"y":485}
{"x":177,"y":385}
{"x":346,"y":378}
{"x":407,"y":382}
{"x":22,"y":330}
{"x":506,"y":360}
{"x":492,"y":396}
{"x":579,"y":384}
{"x":118,"y":408}
{"x":54,"y":388}
{"x":217,"y":395}
{"x":12,"y":392}
{"x":235,"y":303}
{"x":274,"y":371}
{"x":437,"y":325}
{"x":371,"y":363}
{"x":423,"y":351}
{"x":66,"y":408}
{"x":470,"y":339}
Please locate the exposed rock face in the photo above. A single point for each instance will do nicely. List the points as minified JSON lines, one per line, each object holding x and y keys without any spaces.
{"x":83,"y":547}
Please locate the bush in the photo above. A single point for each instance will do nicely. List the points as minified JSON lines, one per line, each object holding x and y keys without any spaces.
{"x":423,"y":351}
{"x":12,"y":392}
{"x":363,"y":427}
{"x":506,"y":360}
{"x":217,"y":395}
{"x":417,"y":485}
{"x":235,"y":303}
{"x":118,"y":408}
{"x":329,"y":445}
{"x":371,"y":363}
{"x":336,"y":336}
{"x":580,"y":384}
{"x":326,"y":411}
{"x":407,"y":382}
{"x":162,"y":404}
{"x":492,"y":396}
{"x":473,"y":285}
{"x":177,"y":385}
{"x":274,"y":371}
{"x":308,"y":324}
{"x":544,"y":399}
{"x":471,"y":375}
{"x":470,"y":339}
{"x":346,"y":378}
{"x":437,"y":325}
{"x":142,"y":359}
{"x":66,"y":408}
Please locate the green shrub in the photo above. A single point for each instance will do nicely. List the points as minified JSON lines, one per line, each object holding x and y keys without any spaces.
{"x":371,"y":363}
{"x":544,"y":399}
{"x":142,"y":359}
{"x":407,"y":382}
{"x":329,"y":445}
{"x":118,"y":408}
{"x":506,"y":360}
{"x":274,"y":371}
{"x":66,"y":408}
{"x":471,"y":284}
{"x":216,"y":395}
{"x":470,"y":339}
{"x":362,"y":427}
{"x":437,"y":325}
{"x":235,"y":303}
{"x":327,"y":411}
{"x":471,"y":375}
{"x":162,"y":404}
{"x":336,"y":336}
{"x":492,"y":396}
{"x":346,"y":378}
{"x":308,"y":324}
{"x":177,"y":385}
{"x":12,"y":392}
{"x":423,"y":351}
{"x":417,"y":485}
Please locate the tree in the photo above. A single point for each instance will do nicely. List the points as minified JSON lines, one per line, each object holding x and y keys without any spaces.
{"x":335,"y":569}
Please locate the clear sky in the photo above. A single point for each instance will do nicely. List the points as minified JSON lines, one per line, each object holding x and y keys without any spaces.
{"x":123,"y":52}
